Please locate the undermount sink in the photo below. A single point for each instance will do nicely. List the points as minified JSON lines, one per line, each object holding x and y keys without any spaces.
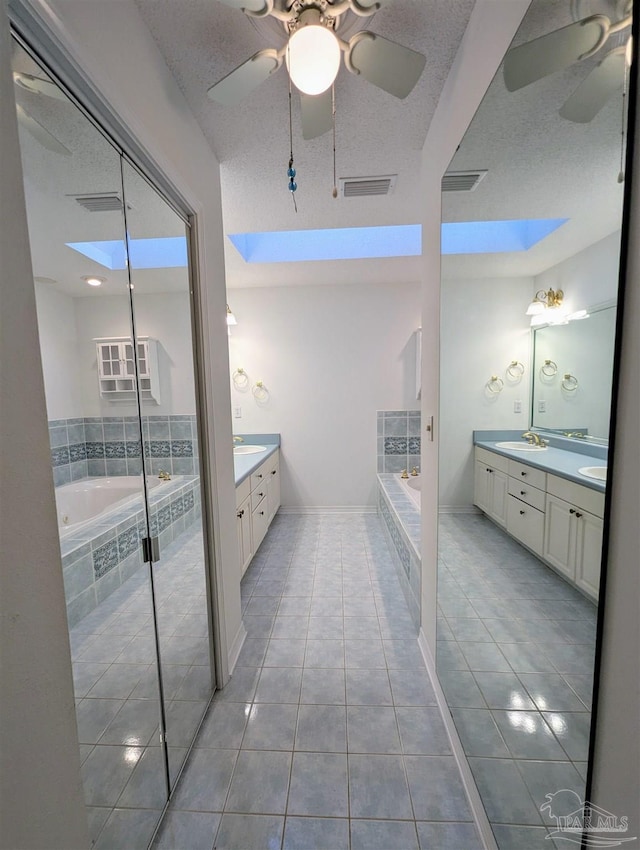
{"x":518,"y":446}
{"x":598,"y":472}
{"x":248,"y":450}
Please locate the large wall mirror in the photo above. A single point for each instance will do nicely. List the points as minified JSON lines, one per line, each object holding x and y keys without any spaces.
{"x":520,"y":530}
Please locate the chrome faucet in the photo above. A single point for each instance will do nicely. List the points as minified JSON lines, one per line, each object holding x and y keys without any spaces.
{"x":237,"y":439}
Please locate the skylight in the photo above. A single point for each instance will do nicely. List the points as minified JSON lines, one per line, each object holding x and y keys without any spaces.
{"x":164,"y":252}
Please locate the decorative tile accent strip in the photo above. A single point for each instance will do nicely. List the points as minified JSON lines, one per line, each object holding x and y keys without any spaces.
{"x":113,"y":555}
{"x":399,"y":440}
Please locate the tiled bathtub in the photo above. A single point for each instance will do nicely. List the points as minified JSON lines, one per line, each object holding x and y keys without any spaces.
{"x":402,"y":524}
{"x":105,"y":552}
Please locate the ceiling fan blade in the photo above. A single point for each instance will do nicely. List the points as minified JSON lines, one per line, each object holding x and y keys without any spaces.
{"x":550,"y":53}
{"x":596,"y":88}
{"x":388,"y":65}
{"x":317,"y":114}
{"x":38,"y":85}
{"x":245,"y":78}
{"x":39,"y":133}
{"x":251,"y":5}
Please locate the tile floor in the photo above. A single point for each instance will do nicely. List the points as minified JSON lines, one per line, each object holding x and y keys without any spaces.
{"x":515,"y":658}
{"x":327,"y":736}
{"x":117,"y":706}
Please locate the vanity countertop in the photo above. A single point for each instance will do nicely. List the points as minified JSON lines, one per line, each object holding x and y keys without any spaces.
{"x":557,"y":461}
{"x":244,"y":465}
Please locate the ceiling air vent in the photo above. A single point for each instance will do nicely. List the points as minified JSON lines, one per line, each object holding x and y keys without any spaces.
{"x":104,"y":202}
{"x":362,"y":187}
{"x":462,"y":181}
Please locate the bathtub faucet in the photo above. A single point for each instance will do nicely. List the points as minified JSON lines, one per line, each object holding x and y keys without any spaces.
{"x":414,"y":471}
{"x":404,"y":474}
{"x":164,"y":476}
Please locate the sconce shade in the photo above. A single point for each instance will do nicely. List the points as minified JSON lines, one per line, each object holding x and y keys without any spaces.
{"x":313,"y":58}
{"x":231,"y":319}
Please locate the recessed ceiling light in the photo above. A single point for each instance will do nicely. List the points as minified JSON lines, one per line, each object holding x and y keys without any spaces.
{"x":94,"y":281}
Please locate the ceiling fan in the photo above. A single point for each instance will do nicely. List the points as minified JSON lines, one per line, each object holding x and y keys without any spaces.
{"x":37,"y":85}
{"x":561,"y":48}
{"x":388,"y":65}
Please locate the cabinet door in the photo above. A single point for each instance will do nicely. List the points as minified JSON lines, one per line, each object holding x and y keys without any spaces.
{"x":481,"y":486}
{"x":109,"y":360}
{"x":498,"y":488}
{"x":560,"y":536}
{"x":526,"y":524}
{"x":273,"y":491}
{"x":259,"y":524}
{"x":143,"y":359}
{"x":245,"y":547}
{"x":128,"y":361}
{"x":588,"y":552}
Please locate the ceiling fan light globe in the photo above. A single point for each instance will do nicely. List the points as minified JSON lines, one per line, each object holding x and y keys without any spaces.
{"x":313,"y":59}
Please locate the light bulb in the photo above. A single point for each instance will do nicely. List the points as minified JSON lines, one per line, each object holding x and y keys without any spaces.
{"x":313,"y":58}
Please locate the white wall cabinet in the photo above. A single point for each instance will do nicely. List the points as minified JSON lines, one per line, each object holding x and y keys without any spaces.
{"x":491,"y":485}
{"x":257,"y":501}
{"x":558,"y":520}
{"x":116,"y":368}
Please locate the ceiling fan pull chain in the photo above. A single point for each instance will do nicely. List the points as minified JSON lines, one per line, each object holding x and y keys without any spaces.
{"x":333,"y":113}
{"x":291,"y":172}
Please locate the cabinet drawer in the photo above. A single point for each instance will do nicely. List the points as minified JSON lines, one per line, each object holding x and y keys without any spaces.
{"x":492,"y":459}
{"x":535,"y":477}
{"x":525,"y":524}
{"x":259,"y":476}
{"x":258,"y":495}
{"x":582,"y":497}
{"x":524,"y":491}
{"x":242,"y":492}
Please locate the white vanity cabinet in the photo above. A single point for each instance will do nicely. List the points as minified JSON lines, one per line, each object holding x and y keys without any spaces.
{"x":573,"y":532}
{"x":257,"y":501}
{"x":558,"y":520}
{"x":491,"y":485}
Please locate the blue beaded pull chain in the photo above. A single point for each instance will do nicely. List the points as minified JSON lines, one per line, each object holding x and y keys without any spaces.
{"x":291,"y":172}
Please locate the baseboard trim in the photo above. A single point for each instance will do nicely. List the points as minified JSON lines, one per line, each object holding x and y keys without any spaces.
{"x":236,"y":647}
{"x":475,"y":802}
{"x":458,"y":509}
{"x":329,"y":509}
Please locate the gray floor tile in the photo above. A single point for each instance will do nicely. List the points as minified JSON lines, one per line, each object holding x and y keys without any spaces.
{"x":306,"y":833}
{"x":550,"y":692}
{"x":279,"y":684}
{"x":527,"y":735}
{"x":86,"y":674}
{"x":324,"y":653}
{"x":504,"y":690}
{"x":241,"y":687}
{"x":521,"y":837}
{"x":258,"y":625}
{"x":325,"y":628}
{"x":422,"y":731}
{"x":146,"y":789}
{"x":372,"y":729}
{"x":290,"y":627}
{"x":270,"y":727}
{"x":368,"y":687}
{"x":295,"y":606}
{"x":195,"y":830}
{"x":464,"y":629}
{"x":437,"y":792}
{"x":461,"y":689}
{"x":479,"y":733}
{"x":323,"y":685}
{"x":260,"y":783}
{"x":224,"y":725}
{"x":319,"y":785}
{"x":572,"y":730}
{"x":321,"y":728}
{"x":449,"y":656}
{"x":403,"y":655}
{"x":582,"y":684}
{"x":504,"y":794}
{"x":93,"y":716}
{"x":96,"y":819}
{"x":134,"y":724}
{"x":525,"y":657}
{"x":407,"y":688}
{"x":285,"y":653}
{"x":205,"y":781}
{"x":249,"y":832}
{"x":253,"y":652}
{"x":378,"y":787}
{"x":382,"y":835}
{"x":106,"y":771}
{"x":130,"y":828}
{"x":448,"y":836}
{"x":484,"y":657}
{"x":547,"y":777}
{"x":364,"y":654}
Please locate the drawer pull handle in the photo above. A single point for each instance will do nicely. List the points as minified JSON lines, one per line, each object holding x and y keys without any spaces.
{"x":521,"y":513}
{"x":259,"y":475}
{"x":523,"y":492}
{"x":489,"y":470}
{"x":578,"y":514}
{"x":261,"y":513}
{"x":572,"y":510}
{"x":261,"y":495}
{"x":523,"y":474}
{"x":273,"y":471}
{"x":240,"y":514}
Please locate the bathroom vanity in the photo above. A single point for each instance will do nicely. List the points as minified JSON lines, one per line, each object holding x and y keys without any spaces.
{"x":257,"y":494}
{"x":544,"y":502}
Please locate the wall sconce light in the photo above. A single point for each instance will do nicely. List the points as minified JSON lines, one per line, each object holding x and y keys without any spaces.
{"x":545,"y":300}
{"x":231,"y":319}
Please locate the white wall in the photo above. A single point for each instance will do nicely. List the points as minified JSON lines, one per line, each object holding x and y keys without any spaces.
{"x":59,"y":347}
{"x":165,"y":317}
{"x":41,"y":802}
{"x":588,"y":278}
{"x":330,"y":356}
{"x":483,"y":328}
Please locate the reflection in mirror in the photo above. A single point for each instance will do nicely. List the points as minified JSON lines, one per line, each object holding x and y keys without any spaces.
{"x":520,"y":532}
{"x":578,"y":405}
